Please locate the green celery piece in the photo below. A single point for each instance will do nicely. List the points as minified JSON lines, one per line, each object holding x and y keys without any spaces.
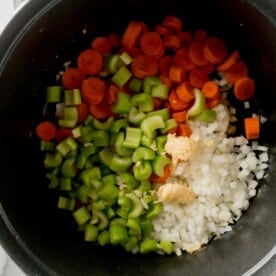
{"x":166,"y":246}
{"x":143,"y":153}
{"x":65,"y":184}
{"x":135,"y":116}
{"x":108,"y":192}
{"x":142,"y":170}
{"x":66,"y":146}
{"x":207,"y":116}
{"x":72,"y":97}
{"x":147,"y":246}
{"x":130,"y":181}
{"x":146,"y":226}
{"x":54,"y":180}
{"x":103,"y":220}
{"x":126,"y":58}
{"x":169,"y":124}
{"x":120,"y":164}
{"x":91,"y":173}
{"x":82,"y":193}
{"x":154,"y":210}
{"x":160,"y":143}
{"x":135,"y":85}
{"x":159,"y":163}
{"x":53,"y":94}
{"x":125,"y":203}
{"x":121,"y":76}
{"x":149,"y":81}
{"x":131,"y":244}
{"x":86,"y":134}
{"x":143,"y":101}
{"x":199,"y":104}
{"x":147,"y":141}
{"x":103,"y":125}
{"x":109,"y":179}
{"x":106,"y":156}
{"x":137,"y":207}
{"x":66,"y":203}
{"x":104,"y":237}
{"x":145,"y":186}
{"x":160,"y":91}
{"x":112,"y":63}
{"x":118,"y":125}
{"x":85,"y":152}
{"x":47,"y":146}
{"x":164,"y":112}
{"x":152,"y":123}
{"x":120,"y":148}
{"x":133,"y":137}
{"x":118,"y":234}
{"x":123,"y":103}
{"x":52,"y":160}
{"x":91,"y":233}
{"x":100,"y":138}
{"x":134,"y":226}
{"x":70,"y":117}
{"x":68,"y":168}
{"x":81,"y":215}
{"x":118,"y":220}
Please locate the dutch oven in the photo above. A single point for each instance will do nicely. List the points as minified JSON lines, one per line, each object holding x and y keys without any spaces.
{"x":40,"y":38}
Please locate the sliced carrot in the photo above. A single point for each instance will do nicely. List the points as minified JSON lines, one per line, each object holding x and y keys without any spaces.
{"x":196,"y":53}
{"x":210,"y":90}
{"x":100,"y":111}
{"x":144,"y":65}
{"x":133,"y":51}
{"x":208,"y":68}
{"x":197,"y":78}
{"x":157,"y":103}
{"x":132,"y":33}
{"x":184,"y":91}
{"x":200,"y":35}
{"x":101,"y":44}
{"x":114,"y":39}
{"x":90,"y":62}
{"x":211,"y":103}
{"x":161,"y":179}
{"x":111,"y":94}
{"x":233,"y":58}
{"x":83,"y":111}
{"x":163,"y":31}
{"x":151,"y":43}
{"x":252,"y":128}
{"x":177,"y":74}
{"x":46,"y":131}
{"x":72,"y":78}
{"x":166,"y":80}
{"x":172,"y":41}
{"x":184,"y":130}
{"x":175,"y":104}
{"x":173,"y":23}
{"x":180,"y":55}
{"x":214,"y":50}
{"x":244,"y":88}
{"x":180,"y":116}
{"x":165,"y":63}
{"x":62,"y":133}
{"x":237,"y":70}
{"x":186,"y":38}
{"x":93,"y":90}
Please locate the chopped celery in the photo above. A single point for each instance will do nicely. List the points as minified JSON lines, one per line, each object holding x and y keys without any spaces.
{"x":147,"y":246}
{"x":106,"y":156}
{"x":143,"y":101}
{"x":66,"y":203}
{"x":134,"y":226}
{"x":155,"y":210}
{"x":65,"y":184}
{"x":142,"y":170}
{"x":68,"y":168}
{"x":123,"y":103}
{"x":166,"y":246}
{"x":66,"y":146}
{"x":129,"y":180}
{"x":120,"y":148}
{"x":119,"y":163}
{"x":160,"y":91}
{"x":135,"y":116}
{"x":72,"y":97}
{"x":133,"y":137}
{"x":104,"y":237}
{"x":169,"y":125}
{"x":112,"y":63}
{"x":118,"y":234}
{"x":207,"y":116}
{"x":70,"y":117}
{"x":160,"y":143}
{"x":118,"y":125}
{"x":121,"y":76}
{"x":81,"y":215}
{"x":135,"y":85}
{"x":159,"y":163}
{"x":137,"y":207}
{"x":152,"y":123}
{"x":47,"y":146}
{"x":131,"y":244}
{"x":126,"y":58}
{"x":198,"y":105}
{"x":52,"y":160}
{"x":108,"y":192}
{"x":164,"y":112}
{"x":89,"y":174}
{"x":143,"y":153}
{"x":100,"y":138}
{"x":54,"y":180}
{"x":149,"y":81}
{"x":103,"y":125}
{"x":53,"y":94}
{"x":91,"y":233}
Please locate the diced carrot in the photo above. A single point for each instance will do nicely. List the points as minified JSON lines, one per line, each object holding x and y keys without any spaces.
{"x":173,"y":23}
{"x":180,"y":116}
{"x":175,"y":104}
{"x":161,"y":179}
{"x":132,"y":33}
{"x":100,"y":111}
{"x":211,"y":103}
{"x":214,"y":50}
{"x":151,"y":44}
{"x":83,"y":111}
{"x":252,"y":128}
{"x":186,"y":38}
{"x":144,"y":65}
{"x":184,"y":130}
{"x":90,"y":62}
{"x":72,"y":78}
{"x":184,"y":91}
{"x":197,"y":78}
{"x":237,"y":70}
{"x":133,"y":51}
{"x":166,"y":80}
{"x":163,"y":31}
{"x":157,"y":103}
{"x":200,"y":35}
{"x":101,"y":44}
{"x":177,"y":74}
{"x":165,"y":63}
{"x":233,"y":58}
{"x":172,"y":41}
{"x":244,"y":88}
{"x":208,"y":68}
{"x":46,"y":131}
{"x":210,"y":90}
{"x":62,"y":133}
{"x":93,"y":90}
{"x":196,"y":53}
{"x":180,"y":56}
{"x":111,"y":94}
{"x":114,"y":40}
{"x":145,"y":27}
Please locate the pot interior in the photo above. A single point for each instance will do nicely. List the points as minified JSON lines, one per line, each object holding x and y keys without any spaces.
{"x":44,"y":35}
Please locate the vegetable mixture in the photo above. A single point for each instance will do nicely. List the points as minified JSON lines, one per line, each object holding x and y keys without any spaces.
{"x":122,"y":125}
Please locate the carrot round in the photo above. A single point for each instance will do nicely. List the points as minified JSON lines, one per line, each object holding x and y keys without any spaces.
{"x":101,"y":44}
{"x":244,"y":88}
{"x":175,"y":104}
{"x":184,"y":129}
{"x":144,"y":65}
{"x":172,"y":41}
{"x":62,"y":133}
{"x":100,"y":111}
{"x":72,"y":78}
{"x":173,"y":23}
{"x":83,"y":111}
{"x":211,"y":103}
{"x":210,"y":90}
{"x":237,"y":70}
{"x":114,"y":40}
{"x":233,"y":57}
{"x":200,"y":35}
{"x":111,"y":95}
{"x":214,"y":50}
{"x":252,"y":128}
{"x":196,"y":53}
{"x":186,"y":38}
{"x":207,"y":68}
{"x":177,"y":74}
{"x":197,"y":78}
{"x":184,"y":92}
{"x":46,"y":131}
{"x":180,"y":116}
{"x":163,"y":31}
{"x":161,"y":179}
{"x":93,"y":90}
{"x":132,"y":33}
{"x":166,"y":80}
{"x":151,"y":43}
{"x":165,"y":63}
{"x":90,"y":62}
{"x":180,"y":56}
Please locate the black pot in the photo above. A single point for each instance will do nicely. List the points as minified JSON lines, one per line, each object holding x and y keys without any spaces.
{"x":41,"y":37}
